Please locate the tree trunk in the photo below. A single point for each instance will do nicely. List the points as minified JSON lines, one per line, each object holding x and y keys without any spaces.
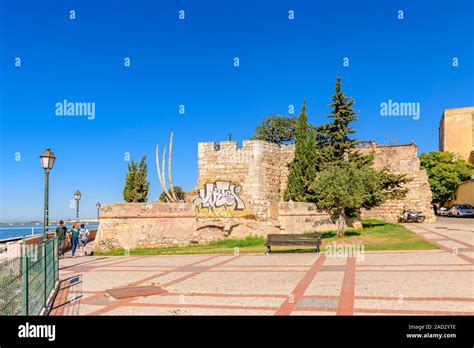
{"x":341,"y":223}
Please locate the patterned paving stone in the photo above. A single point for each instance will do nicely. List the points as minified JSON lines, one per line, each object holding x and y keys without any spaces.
{"x":430,"y":282}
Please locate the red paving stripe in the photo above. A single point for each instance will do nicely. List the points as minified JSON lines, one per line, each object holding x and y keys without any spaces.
{"x":205,"y":294}
{"x":243,"y":266}
{"x":259,"y":271}
{"x":410,"y":311}
{"x":129,"y":270}
{"x":204,"y":306}
{"x":391,"y":298}
{"x":276,"y":266}
{"x":289,"y":305}
{"x":447,"y":237}
{"x":61,"y":301}
{"x":112,"y":306}
{"x":414,"y":270}
{"x":315,"y":309}
{"x":417,"y":265}
{"x":346,"y":299}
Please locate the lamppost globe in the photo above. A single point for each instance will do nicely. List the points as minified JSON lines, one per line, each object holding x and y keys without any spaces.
{"x":77,"y":195}
{"x":47,"y":159}
{"x":98,"y":211}
{"x":47,"y":162}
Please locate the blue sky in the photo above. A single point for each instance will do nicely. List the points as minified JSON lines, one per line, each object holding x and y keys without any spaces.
{"x":190,"y":62}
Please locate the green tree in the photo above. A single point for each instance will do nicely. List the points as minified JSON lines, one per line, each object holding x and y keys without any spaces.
{"x":302,"y":170}
{"x":333,"y":139}
{"x":445,"y":172}
{"x":180,"y":194}
{"x":136,"y":183}
{"x":276,"y":129}
{"x":347,"y":188}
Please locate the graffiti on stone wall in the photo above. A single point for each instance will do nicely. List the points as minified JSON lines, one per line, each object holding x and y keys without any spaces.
{"x":109,"y":243}
{"x":219,"y":194}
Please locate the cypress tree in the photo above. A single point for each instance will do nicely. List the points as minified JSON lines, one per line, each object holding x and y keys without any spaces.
{"x":302,"y":170}
{"x":136,"y":183}
{"x":142,"y":185}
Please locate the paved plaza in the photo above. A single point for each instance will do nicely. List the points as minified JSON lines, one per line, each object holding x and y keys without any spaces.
{"x":430,"y":282}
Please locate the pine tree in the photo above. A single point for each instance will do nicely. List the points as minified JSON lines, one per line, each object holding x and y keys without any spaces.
{"x":302,"y":170}
{"x":136,"y":183}
{"x":333,"y":139}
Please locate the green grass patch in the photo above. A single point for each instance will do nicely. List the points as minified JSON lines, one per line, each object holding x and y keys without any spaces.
{"x":376,"y":235}
{"x":380,"y":235}
{"x":239,"y":243}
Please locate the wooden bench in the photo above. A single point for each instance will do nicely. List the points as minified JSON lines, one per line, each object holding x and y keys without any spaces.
{"x":313,"y":239}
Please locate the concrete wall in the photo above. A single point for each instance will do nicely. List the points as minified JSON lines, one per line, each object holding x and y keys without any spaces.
{"x":464,"y":194}
{"x":456,"y":132}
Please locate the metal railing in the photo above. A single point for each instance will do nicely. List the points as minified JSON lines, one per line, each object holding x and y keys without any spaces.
{"x":28,"y":281}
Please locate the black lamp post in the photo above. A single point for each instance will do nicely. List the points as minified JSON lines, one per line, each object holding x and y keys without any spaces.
{"x":47,"y":162}
{"x":98,"y":210}
{"x":77,"y":197}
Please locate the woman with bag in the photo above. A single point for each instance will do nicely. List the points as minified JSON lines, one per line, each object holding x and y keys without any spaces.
{"x":74,"y":238}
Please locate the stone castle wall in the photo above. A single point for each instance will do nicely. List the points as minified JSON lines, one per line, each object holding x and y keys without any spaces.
{"x":261,"y":169}
{"x":157,"y":224}
{"x":401,"y":159}
{"x":145,"y":225}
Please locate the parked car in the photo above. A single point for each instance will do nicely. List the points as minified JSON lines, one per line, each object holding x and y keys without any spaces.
{"x":442,"y":211}
{"x":461,"y":210}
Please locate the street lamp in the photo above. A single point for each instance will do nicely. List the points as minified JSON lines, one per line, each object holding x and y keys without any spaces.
{"x":98,"y":210}
{"x":77,"y":197}
{"x":47,"y":162}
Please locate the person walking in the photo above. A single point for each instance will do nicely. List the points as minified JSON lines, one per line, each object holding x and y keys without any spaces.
{"x":83,"y":238}
{"x":61,"y":232}
{"x":74,"y":238}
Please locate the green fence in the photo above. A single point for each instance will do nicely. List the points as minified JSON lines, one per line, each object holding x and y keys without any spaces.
{"x":27,"y":282}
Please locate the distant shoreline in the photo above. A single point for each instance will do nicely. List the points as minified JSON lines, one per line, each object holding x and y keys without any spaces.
{"x":52,"y":222}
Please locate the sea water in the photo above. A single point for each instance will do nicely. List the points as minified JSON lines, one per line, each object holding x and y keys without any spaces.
{"x":19,"y":230}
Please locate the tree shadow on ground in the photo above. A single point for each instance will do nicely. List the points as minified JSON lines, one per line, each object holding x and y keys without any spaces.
{"x":330,"y":234}
{"x":373,"y":223}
